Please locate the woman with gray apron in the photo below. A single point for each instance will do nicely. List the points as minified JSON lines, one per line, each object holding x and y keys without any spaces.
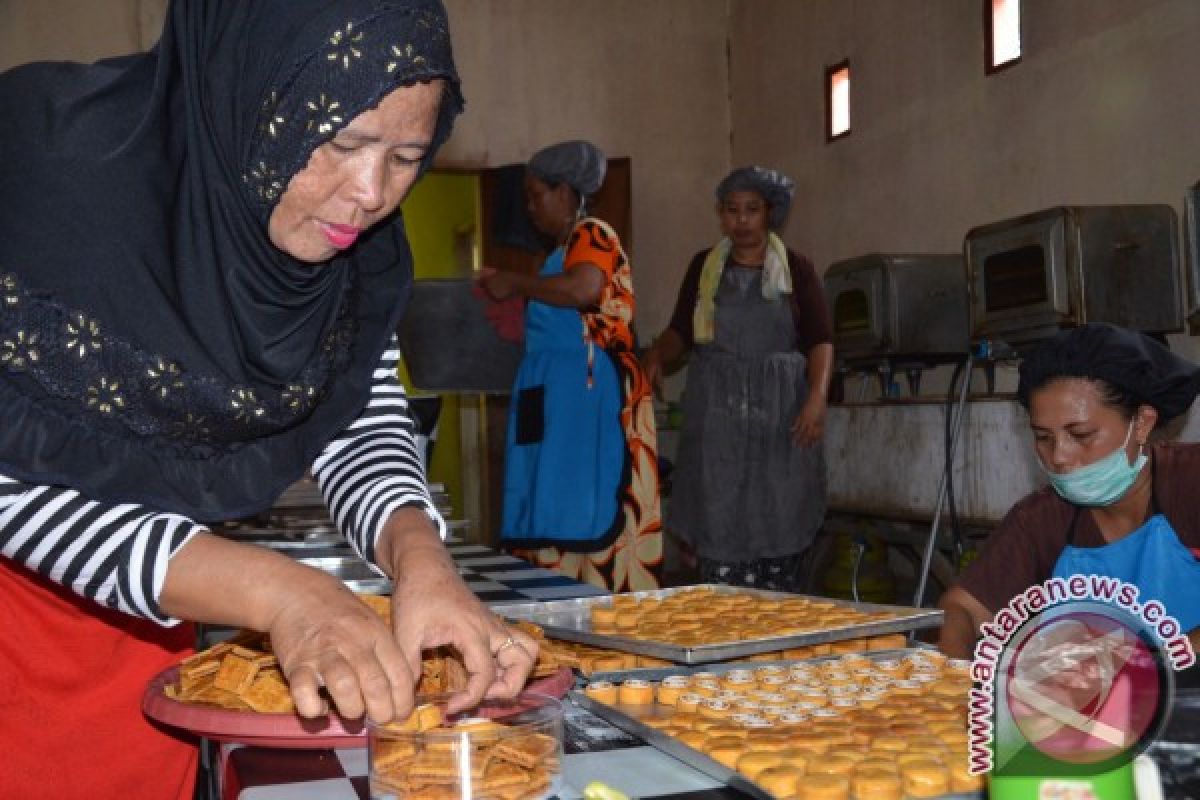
{"x":1115,"y":505}
{"x":749,"y":484}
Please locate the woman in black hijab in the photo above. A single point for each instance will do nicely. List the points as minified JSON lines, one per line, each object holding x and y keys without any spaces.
{"x":200,"y":269}
{"x":1117,"y":506}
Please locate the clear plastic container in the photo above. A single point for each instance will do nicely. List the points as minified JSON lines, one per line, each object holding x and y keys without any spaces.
{"x":503,"y":748}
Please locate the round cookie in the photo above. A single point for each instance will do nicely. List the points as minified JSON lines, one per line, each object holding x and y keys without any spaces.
{"x":756,"y":761}
{"x":876,"y":784}
{"x":823,"y":787}
{"x":601,"y":692}
{"x":925,"y":779}
{"x":782,"y":781}
{"x":635,"y":693}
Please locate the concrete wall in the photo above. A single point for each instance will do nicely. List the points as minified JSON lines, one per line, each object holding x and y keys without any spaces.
{"x":1103,"y":108}
{"x":647,"y":80}
{"x":76,"y":30}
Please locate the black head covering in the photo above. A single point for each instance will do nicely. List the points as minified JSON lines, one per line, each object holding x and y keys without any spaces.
{"x":155,"y":347}
{"x":775,"y":187}
{"x":579,"y":164}
{"x":1130,"y":361}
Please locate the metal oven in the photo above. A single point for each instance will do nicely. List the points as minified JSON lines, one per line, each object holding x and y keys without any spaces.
{"x":1066,"y":266}
{"x":1191,"y":237}
{"x":898,"y":312}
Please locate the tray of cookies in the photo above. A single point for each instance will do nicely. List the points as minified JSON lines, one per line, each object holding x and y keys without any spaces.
{"x":235,"y":691}
{"x":877,"y":725}
{"x":711,"y":622}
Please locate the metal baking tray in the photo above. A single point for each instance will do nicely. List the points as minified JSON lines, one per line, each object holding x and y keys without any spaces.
{"x":628,"y":722}
{"x":656,"y":674}
{"x":671,"y":746}
{"x":694,"y":758}
{"x":356,"y":574}
{"x":570,"y":620}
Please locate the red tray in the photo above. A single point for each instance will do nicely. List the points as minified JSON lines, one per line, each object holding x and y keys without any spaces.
{"x":283,"y":730}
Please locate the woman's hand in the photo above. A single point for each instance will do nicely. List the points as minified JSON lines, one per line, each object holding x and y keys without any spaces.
{"x":496,"y":283}
{"x":431,"y":607}
{"x":507,"y":317}
{"x":326,"y":637}
{"x":809,"y":426}
{"x":321,"y":633}
{"x":960,"y":628}
{"x":665,"y":352}
{"x":652,"y":365}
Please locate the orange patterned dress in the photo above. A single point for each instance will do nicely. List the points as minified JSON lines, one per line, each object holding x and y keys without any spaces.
{"x":630,"y":559}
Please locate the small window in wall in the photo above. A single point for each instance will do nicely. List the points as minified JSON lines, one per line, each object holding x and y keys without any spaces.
{"x":837,"y":100}
{"x":1002,"y":33}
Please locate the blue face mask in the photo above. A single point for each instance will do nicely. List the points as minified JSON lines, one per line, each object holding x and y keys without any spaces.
{"x":1101,"y":483}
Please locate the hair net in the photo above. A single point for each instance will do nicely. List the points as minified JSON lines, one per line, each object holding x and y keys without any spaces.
{"x":1130,"y":361}
{"x":579,"y":164}
{"x":775,"y":187}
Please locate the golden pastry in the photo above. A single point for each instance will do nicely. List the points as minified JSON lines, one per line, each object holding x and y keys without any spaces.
{"x":961,"y":780}
{"x":727,"y":727}
{"x":715,"y":708}
{"x":812,"y":743}
{"x":604,"y":617}
{"x":668,"y":695}
{"x":909,"y":757}
{"x":878,"y":762}
{"x":832,"y":765}
{"x":725,"y":750}
{"x":890,"y":742}
{"x":752,"y":763}
{"x":925,"y":779}
{"x":823,"y":787}
{"x":635,"y":693}
{"x":792,"y":718}
{"x":890,"y":641}
{"x":773,"y":741}
{"x":781,"y":781}
{"x":601,"y":692}
{"x":608,"y":663}
{"x":876,"y":784}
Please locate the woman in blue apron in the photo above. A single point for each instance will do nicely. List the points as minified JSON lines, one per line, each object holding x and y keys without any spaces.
{"x":1115,"y":506}
{"x":581,"y":471}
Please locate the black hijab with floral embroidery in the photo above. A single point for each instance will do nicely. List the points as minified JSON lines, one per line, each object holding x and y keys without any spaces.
{"x":155,"y":347}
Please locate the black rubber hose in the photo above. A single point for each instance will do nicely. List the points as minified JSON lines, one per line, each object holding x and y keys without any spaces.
{"x":951,"y":504}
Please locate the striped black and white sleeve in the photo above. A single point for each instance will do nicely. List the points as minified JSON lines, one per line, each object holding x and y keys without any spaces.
{"x":372,"y":468}
{"x":113,"y":554}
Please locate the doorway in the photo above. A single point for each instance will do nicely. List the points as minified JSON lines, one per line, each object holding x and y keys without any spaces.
{"x":457,"y":221}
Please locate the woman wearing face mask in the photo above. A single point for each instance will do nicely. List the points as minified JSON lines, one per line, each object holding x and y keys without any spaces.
{"x":200,"y":271}
{"x":749,"y":483}
{"x":581,"y":466}
{"x":1115,"y":505}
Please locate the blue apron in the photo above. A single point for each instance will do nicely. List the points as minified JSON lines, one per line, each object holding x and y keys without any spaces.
{"x":565,"y":448}
{"x":1151,"y":558}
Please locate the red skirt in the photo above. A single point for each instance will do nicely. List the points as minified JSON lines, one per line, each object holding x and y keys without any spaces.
{"x":72,"y":676}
